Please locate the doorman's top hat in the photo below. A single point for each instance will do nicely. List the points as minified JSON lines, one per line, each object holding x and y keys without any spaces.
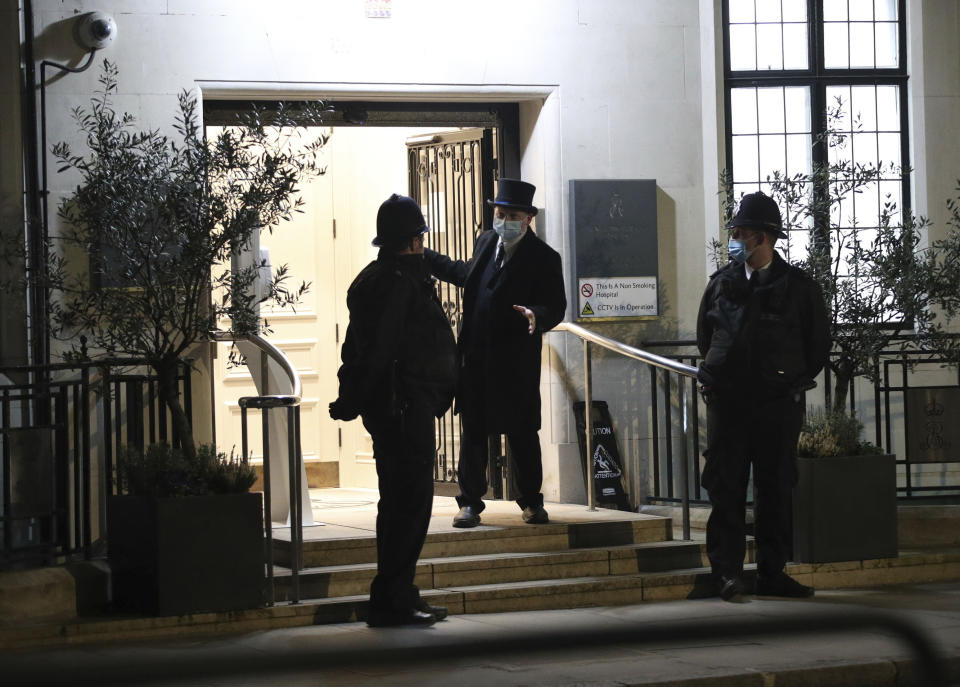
{"x":516,"y":194}
{"x":399,"y":218}
{"x":758,"y":211}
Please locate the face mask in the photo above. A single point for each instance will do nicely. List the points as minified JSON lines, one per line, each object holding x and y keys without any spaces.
{"x":738,"y":251}
{"x":508,"y":231}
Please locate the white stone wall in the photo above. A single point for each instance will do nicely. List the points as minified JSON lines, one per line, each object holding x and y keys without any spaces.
{"x":608,"y":89}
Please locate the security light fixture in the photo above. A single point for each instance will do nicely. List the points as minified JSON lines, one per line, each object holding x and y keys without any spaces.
{"x":95,"y":30}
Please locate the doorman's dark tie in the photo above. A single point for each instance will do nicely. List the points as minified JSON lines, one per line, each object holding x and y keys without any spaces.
{"x":498,"y":260}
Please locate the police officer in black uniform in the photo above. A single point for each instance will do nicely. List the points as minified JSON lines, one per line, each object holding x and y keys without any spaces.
{"x":764,"y":333}
{"x":399,"y":372}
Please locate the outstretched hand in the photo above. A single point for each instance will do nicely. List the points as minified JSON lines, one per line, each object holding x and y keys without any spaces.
{"x":531,"y":318}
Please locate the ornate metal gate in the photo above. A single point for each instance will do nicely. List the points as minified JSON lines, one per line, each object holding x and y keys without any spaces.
{"x":451,"y":175}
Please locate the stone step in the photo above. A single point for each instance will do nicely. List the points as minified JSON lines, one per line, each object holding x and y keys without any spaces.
{"x":487,"y":539}
{"x":913,"y":567}
{"x":457,"y":571}
{"x":616,"y":590}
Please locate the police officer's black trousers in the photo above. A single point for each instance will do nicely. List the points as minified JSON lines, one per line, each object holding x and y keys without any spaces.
{"x":527,"y":466}
{"x":741,"y":432}
{"x":403,"y":448}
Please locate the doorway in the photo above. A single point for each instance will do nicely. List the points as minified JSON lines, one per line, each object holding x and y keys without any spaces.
{"x":449,"y":166}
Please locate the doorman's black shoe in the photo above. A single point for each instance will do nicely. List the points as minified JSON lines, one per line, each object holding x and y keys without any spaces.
{"x":730,"y":588}
{"x":412,"y":617}
{"x":535,"y":515}
{"x":782,"y":584}
{"x":438,"y":612}
{"x":467,"y":517}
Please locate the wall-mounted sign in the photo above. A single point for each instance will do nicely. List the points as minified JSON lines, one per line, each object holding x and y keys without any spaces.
{"x":618,"y":297}
{"x":615,"y":248}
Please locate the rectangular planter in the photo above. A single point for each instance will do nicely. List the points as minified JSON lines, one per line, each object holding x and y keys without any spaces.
{"x":193,"y":554}
{"x":845,"y":509}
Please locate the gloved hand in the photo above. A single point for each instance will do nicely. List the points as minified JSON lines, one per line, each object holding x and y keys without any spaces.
{"x":340,"y":410}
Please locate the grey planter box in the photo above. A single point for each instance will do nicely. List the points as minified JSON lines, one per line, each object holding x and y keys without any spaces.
{"x":845,"y":509}
{"x":193,"y":554}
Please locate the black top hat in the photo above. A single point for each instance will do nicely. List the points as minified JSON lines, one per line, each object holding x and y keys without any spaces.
{"x":516,"y":194}
{"x":758,"y":211}
{"x":398,"y":218}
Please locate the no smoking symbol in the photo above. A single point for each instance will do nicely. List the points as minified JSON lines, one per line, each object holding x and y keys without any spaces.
{"x":586,"y":290}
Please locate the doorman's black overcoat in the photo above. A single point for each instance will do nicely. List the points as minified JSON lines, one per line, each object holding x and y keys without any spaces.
{"x":500,"y":375}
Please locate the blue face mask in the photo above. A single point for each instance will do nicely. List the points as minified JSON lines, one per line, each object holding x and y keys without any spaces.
{"x":508,"y":231}
{"x":738,"y":251}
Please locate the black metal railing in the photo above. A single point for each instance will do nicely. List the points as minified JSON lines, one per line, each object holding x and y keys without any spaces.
{"x":660,"y":367}
{"x":61,"y":426}
{"x":882,"y":406}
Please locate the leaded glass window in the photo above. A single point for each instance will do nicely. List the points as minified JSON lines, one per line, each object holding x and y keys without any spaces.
{"x":790,"y":61}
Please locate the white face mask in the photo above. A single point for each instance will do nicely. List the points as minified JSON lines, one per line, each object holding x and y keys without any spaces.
{"x":508,"y":230}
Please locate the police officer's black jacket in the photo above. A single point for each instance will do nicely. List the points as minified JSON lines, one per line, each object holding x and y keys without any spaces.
{"x":399,"y":346}
{"x":765,"y":337}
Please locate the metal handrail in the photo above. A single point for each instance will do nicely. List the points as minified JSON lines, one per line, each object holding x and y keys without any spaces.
{"x":627,"y":350}
{"x":273,"y":352}
{"x":590,"y":337}
{"x":264,"y":402}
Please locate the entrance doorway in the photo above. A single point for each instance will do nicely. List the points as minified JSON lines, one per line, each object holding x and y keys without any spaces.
{"x":449,"y":169}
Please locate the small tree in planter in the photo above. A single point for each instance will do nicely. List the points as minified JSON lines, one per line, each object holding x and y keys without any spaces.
{"x":186,"y":537}
{"x":845,"y":499}
{"x":160,"y":218}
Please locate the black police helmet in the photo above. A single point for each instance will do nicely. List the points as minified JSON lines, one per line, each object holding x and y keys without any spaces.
{"x":758,"y":211}
{"x":399,"y":219}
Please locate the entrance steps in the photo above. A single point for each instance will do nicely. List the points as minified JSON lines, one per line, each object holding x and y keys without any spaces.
{"x":582,"y":558}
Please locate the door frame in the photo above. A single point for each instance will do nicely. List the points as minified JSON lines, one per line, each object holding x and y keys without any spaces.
{"x":495,"y":108}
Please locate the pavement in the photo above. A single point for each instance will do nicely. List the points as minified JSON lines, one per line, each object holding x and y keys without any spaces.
{"x":861,"y":637}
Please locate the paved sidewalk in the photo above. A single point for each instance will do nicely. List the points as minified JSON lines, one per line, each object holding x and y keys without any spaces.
{"x":357,"y":655}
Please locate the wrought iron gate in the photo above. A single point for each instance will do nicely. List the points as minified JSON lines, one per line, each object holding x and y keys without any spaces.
{"x":450,"y":176}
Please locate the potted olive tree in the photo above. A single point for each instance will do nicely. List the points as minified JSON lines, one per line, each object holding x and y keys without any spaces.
{"x":845,"y":499}
{"x":185,"y":535}
{"x":160,"y":217}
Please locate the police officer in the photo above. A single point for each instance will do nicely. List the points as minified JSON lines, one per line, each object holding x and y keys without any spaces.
{"x":764,"y":333}
{"x":399,"y":373}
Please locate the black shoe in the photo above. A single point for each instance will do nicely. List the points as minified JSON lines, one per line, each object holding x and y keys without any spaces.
{"x":413,"y":617}
{"x":467,"y":517}
{"x":782,"y":584}
{"x":535,"y":515}
{"x":730,"y":588}
{"x":438,"y":612}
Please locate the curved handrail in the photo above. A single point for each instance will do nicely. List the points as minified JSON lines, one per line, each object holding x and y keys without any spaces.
{"x":589,"y":337}
{"x":292,"y":403}
{"x":627,"y":350}
{"x":278,"y":357}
